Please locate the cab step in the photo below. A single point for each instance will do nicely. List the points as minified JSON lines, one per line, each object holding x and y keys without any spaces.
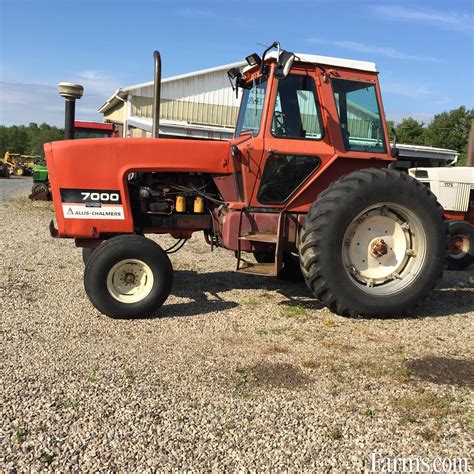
{"x":260,"y":237}
{"x":262,"y":269}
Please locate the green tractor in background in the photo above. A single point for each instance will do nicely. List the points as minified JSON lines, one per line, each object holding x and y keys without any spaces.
{"x":40,"y":190}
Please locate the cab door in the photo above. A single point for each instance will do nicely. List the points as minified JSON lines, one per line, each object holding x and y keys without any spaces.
{"x":296,"y":143}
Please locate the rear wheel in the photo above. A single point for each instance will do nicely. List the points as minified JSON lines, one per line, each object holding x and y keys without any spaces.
{"x":461,"y":245}
{"x":40,"y":191}
{"x":129,"y":276}
{"x":373,"y":244}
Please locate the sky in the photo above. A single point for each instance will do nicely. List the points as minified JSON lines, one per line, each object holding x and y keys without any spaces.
{"x":424,"y":49}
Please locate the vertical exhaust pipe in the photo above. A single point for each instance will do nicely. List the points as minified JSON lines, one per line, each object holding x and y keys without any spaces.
{"x":71,"y":92}
{"x":156,"y":94}
{"x":470,"y":143}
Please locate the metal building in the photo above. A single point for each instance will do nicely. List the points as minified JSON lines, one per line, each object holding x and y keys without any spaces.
{"x":199,"y":104}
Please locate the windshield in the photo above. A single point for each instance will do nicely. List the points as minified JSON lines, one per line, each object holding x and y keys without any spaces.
{"x":251,"y":108}
{"x":359,"y":115}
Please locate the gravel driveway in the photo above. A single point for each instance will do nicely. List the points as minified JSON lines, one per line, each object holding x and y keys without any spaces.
{"x":239,"y":372}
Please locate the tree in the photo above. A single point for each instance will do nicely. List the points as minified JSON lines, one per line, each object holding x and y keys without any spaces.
{"x":411,"y":132}
{"x":390,"y":127}
{"x":450,"y":130}
{"x":27,"y":140}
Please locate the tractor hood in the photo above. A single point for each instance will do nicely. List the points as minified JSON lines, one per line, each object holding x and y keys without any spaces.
{"x":83,"y":166}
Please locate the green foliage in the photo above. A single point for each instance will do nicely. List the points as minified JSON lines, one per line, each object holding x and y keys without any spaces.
{"x":450,"y":130}
{"x":447,"y":130}
{"x":411,"y":132}
{"x":390,"y":127}
{"x":28,"y":140}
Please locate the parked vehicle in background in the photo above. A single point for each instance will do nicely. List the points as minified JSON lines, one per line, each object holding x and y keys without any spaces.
{"x":454,"y":188}
{"x":18,"y":165}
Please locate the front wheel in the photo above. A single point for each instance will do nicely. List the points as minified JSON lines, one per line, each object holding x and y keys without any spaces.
{"x":18,"y":171}
{"x":129,"y":276}
{"x":373,"y":244}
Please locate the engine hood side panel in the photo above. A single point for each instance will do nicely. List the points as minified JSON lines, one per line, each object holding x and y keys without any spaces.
{"x":100,"y":167}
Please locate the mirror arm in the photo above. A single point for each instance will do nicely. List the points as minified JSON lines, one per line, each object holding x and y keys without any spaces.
{"x":275,"y":44}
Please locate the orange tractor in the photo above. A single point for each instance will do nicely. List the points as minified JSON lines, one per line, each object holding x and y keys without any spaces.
{"x":305,"y":189}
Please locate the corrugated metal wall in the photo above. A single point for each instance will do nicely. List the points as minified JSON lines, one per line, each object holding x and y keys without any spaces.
{"x":205,"y":99}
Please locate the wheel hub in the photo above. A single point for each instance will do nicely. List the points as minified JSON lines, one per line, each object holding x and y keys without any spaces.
{"x":130,"y":281}
{"x":381,"y":247}
{"x":378,"y":248}
{"x":130,"y":278}
{"x":458,"y":246}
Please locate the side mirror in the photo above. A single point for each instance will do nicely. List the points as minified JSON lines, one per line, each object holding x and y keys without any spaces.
{"x":284,"y":63}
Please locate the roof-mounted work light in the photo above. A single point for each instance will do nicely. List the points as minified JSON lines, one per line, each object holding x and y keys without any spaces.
{"x":234,"y":72}
{"x":254,"y":60}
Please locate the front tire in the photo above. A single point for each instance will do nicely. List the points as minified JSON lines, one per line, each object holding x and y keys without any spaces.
{"x":461,"y":245}
{"x":129,"y":276}
{"x":373,"y":244}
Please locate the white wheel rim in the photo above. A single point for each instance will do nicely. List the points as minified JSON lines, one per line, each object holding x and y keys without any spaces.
{"x":130,"y":281}
{"x":384,"y":249}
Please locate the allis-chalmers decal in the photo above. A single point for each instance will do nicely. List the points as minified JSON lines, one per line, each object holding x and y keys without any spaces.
{"x":92,"y":204}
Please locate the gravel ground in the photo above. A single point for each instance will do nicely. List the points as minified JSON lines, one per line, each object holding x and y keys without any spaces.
{"x":238,"y":372}
{"x":15,"y":186}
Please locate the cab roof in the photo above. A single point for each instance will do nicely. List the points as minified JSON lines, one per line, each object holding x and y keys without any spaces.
{"x":330,"y":61}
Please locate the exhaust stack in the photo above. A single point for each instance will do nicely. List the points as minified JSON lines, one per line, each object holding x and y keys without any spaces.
{"x":71,"y":92}
{"x":156,"y":94}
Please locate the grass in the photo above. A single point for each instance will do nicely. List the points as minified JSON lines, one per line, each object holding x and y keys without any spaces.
{"x":252,"y":303}
{"x":369,"y":413}
{"x":277,"y":331}
{"x":47,"y":458}
{"x":336,"y":434}
{"x":67,"y":402}
{"x":241,"y":384}
{"x":129,"y":374}
{"x":92,"y":377}
{"x":310,"y":364}
{"x":20,"y":435}
{"x":276,"y":349}
{"x":411,"y":407}
{"x":297,"y":312}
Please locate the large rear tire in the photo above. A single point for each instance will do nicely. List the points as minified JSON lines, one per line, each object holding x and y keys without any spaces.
{"x":129,"y":276}
{"x":461,"y":245}
{"x":373,"y":244}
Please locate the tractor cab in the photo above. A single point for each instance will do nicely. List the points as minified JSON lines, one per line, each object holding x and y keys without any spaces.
{"x":300,"y":113}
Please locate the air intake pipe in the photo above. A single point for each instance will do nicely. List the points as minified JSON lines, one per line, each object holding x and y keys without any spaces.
{"x":71,"y":92}
{"x":156,"y":94}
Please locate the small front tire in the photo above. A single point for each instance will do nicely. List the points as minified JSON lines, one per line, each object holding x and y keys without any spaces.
{"x":129,"y":277}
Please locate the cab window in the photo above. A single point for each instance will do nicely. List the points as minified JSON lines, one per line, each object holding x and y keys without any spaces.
{"x":283,"y":174}
{"x":296,"y":113}
{"x":359,"y":116}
